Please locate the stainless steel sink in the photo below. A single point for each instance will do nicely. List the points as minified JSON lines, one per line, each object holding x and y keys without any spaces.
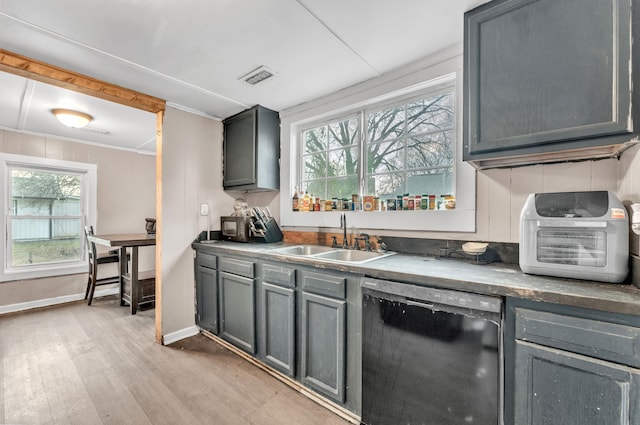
{"x":305,"y":250}
{"x":351,"y":256}
{"x":326,"y":253}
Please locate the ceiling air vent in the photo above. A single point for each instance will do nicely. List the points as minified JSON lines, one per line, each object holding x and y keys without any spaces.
{"x":94,"y":130}
{"x":258,"y":75}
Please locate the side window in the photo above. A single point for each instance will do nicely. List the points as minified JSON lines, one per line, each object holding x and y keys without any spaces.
{"x":45,"y":225}
{"x":46,"y":204}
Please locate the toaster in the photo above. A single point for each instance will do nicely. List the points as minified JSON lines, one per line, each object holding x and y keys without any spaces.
{"x":581,"y":235}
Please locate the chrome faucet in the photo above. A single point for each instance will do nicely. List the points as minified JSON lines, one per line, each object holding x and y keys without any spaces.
{"x":343,"y":226}
{"x":367,"y":242}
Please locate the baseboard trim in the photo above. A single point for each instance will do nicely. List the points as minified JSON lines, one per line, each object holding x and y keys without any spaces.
{"x":172,"y":337}
{"x":14,"y":308}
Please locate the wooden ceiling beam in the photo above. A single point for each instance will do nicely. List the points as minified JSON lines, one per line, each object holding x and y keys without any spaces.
{"x":50,"y":74}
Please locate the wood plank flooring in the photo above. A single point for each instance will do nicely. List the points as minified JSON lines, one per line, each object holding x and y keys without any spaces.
{"x":75,"y":364}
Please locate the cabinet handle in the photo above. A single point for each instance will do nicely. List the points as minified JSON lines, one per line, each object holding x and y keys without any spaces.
{"x":420,"y":304}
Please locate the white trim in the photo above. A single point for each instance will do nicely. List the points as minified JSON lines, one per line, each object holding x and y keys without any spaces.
{"x":13,"y":308}
{"x":172,"y":337}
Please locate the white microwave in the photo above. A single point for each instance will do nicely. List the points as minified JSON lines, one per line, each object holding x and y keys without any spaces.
{"x":581,"y":235}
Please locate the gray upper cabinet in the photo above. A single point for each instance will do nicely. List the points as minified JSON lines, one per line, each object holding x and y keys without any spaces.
{"x":251,"y":150}
{"x":549,"y":80}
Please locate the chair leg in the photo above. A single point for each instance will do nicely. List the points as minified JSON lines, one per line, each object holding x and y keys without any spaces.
{"x":91,"y":291}
{"x":86,"y":292}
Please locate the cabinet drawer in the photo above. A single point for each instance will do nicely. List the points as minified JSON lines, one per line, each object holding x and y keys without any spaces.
{"x":283,"y":276}
{"x":206,"y":260}
{"x":594,"y":338}
{"x":324,"y":284}
{"x":235,"y":266}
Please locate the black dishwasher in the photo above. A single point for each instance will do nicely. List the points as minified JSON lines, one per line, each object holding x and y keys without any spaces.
{"x":430,"y":356}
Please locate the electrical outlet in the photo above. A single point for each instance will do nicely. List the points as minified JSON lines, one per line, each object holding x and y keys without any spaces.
{"x":204,"y":209}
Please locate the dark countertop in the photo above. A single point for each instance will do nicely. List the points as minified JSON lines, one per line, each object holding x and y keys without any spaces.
{"x":461,"y":274}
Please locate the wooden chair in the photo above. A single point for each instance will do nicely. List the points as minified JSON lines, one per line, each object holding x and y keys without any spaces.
{"x":95,"y":260}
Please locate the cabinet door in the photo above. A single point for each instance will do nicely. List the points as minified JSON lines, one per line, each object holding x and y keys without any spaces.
{"x":558,"y":387}
{"x":545,"y":75}
{"x":207,"y":299}
{"x":237,"y":311}
{"x":323,"y":345}
{"x":277,"y":323}
{"x":240,"y":149}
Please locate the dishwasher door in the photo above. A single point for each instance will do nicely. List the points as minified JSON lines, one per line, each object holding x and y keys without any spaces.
{"x":430,"y":356}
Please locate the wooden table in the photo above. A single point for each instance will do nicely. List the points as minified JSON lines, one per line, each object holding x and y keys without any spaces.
{"x":122,"y":242}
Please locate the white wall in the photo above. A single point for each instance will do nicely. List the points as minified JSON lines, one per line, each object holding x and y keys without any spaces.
{"x":191,"y":175}
{"x":126,"y":196}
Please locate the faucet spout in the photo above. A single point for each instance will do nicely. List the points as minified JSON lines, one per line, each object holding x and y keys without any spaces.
{"x":343,"y":225}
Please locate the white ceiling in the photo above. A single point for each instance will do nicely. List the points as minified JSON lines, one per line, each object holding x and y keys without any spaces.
{"x":193,"y":54}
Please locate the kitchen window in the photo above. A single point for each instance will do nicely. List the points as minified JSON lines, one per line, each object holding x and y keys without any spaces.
{"x":407,"y":148}
{"x":396,"y":135}
{"x":47,"y":205}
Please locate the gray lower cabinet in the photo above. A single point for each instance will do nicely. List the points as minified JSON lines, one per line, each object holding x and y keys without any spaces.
{"x":206,"y":291}
{"x":570,"y":366}
{"x":556,"y":387}
{"x":277,"y":324}
{"x":323,"y":342}
{"x":236,"y":285}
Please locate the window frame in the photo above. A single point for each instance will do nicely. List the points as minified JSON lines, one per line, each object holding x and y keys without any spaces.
{"x":88,"y":213}
{"x":430,"y":75}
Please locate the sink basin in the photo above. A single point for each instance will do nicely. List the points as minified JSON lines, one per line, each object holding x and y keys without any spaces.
{"x":351,"y":256}
{"x":327,"y":253}
{"x":305,"y":250}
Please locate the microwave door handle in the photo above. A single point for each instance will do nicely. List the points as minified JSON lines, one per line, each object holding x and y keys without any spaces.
{"x":572,"y":224}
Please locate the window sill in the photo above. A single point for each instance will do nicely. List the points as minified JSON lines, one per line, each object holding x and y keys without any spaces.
{"x":456,"y":220}
{"x":43,"y":272}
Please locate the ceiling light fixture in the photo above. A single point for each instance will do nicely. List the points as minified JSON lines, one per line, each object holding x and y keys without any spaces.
{"x":258,"y":75}
{"x":70,"y":118}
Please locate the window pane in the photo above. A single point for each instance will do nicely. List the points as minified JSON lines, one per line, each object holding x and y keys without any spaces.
{"x":343,"y":162}
{"x":434,"y":114}
{"x":41,"y":241}
{"x":386,"y":125}
{"x":342,"y":188}
{"x":386,"y":185}
{"x":432,"y":182}
{"x":315,"y":166}
{"x":41,"y":193}
{"x":315,"y":140}
{"x":386,"y":156}
{"x":432,"y":150}
{"x":343,"y":133}
{"x":316,"y":188}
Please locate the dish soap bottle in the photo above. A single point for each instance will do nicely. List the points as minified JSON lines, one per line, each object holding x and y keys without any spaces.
{"x":295,"y":201}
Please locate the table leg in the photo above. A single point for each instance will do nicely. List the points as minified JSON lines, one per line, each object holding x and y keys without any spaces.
{"x":136,"y":294}
{"x":122,"y":264}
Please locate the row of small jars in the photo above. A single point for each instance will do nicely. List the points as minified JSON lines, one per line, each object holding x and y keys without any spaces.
{"x":404,"y":202}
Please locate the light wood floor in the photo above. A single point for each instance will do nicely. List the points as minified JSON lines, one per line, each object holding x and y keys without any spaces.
{"x":76,"y":364}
